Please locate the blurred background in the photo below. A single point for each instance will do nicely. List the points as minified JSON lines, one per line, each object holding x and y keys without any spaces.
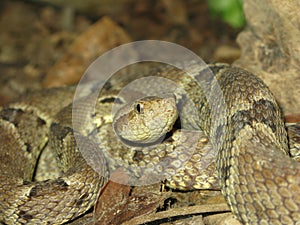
{"x":40,"y":39}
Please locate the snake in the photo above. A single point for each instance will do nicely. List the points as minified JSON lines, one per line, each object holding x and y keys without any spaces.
{"x":245,"y":140}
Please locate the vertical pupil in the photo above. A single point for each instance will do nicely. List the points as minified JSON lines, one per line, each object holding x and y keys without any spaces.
{"x":138,"y":108}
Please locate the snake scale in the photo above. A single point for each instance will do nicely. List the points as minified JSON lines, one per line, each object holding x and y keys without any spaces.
{"x":260,"y":182}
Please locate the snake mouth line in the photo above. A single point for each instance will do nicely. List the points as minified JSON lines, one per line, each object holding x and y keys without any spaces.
{"x":167,"y":137}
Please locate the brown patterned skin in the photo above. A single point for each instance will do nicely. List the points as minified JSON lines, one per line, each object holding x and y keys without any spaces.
{"x":25,"y":128}
{"x":259,"y":181}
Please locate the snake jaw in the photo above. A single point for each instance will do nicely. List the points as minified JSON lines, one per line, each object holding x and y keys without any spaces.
{"x":155,"y":116}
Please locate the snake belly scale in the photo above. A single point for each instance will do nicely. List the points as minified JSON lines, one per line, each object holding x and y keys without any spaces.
{"x":258,"y":179}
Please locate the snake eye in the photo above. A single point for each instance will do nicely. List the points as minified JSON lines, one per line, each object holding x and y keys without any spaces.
{"x":139,"y":108}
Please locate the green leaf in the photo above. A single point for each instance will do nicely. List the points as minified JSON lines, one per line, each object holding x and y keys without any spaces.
{"x":230,"y":11}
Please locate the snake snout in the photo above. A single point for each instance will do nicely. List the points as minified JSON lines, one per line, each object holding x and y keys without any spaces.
{"x":146,"y":120}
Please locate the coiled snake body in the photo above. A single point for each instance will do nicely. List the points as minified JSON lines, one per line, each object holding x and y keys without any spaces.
{"x":260,"y":182}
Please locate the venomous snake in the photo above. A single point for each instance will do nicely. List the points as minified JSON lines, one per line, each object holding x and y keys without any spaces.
{"x":258,"y":179}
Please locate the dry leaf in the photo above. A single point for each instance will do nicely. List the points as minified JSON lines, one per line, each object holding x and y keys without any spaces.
{"x":116,"y":204}
{"x":96,"y":40}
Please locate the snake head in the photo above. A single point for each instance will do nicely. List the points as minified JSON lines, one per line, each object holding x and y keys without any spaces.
{"x":146,"y":120}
